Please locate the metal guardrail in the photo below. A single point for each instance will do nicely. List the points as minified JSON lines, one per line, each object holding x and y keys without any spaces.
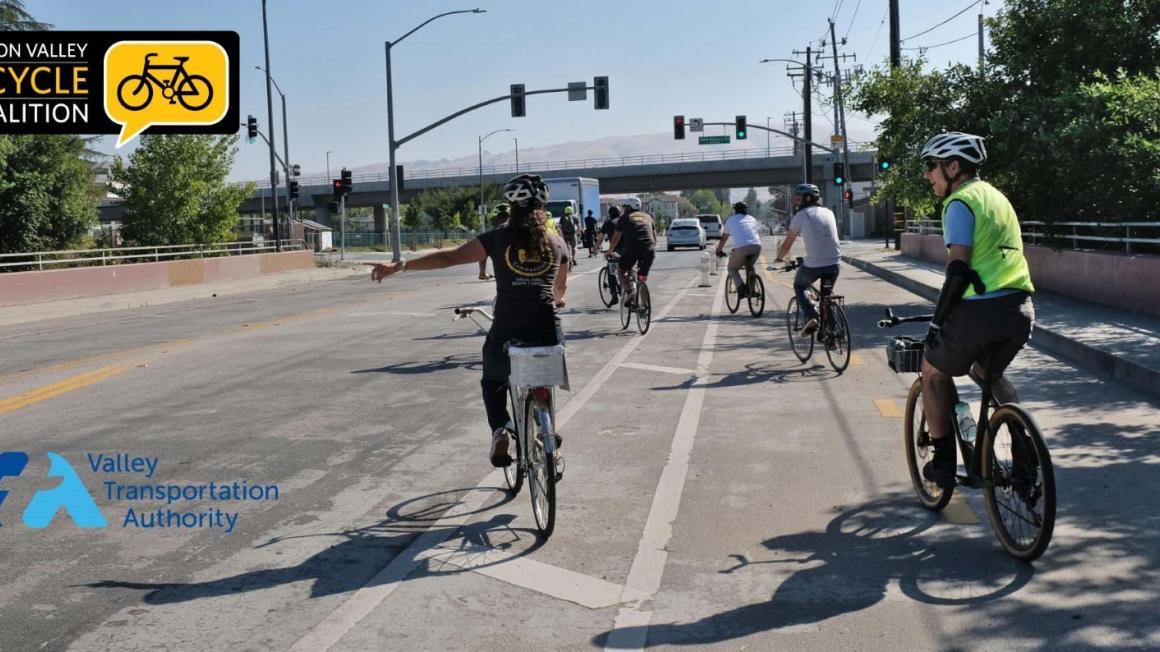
{"x":547,"y":166}
{"x":1077,"y":232}
{"x":39,"y":260}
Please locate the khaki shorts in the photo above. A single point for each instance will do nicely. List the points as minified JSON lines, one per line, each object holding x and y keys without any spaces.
{"x":998,"y":328}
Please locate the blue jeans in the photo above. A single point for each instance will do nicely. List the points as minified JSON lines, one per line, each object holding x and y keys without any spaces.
{"x":805,"y":276}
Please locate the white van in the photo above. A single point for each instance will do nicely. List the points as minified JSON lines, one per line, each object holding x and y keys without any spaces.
{"x":712,"y":224}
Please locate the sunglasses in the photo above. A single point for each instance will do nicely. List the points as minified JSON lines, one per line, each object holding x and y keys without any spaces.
{"x":931,"y":164}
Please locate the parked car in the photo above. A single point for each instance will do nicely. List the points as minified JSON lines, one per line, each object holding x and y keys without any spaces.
{"x":686,"y":232}
{"x":712,"y":224}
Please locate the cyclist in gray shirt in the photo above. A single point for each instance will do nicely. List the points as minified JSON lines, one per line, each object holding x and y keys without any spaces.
{"x":816,"y":224}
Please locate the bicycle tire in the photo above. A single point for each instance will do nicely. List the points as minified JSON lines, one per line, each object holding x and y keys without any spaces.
{"x":513,"y":474}
{"x":604,"y":288}
{"x":1002,"y":481}
{"x":732,"y":296}
{"x":919,"y":451}
{"x":625,"y":313}
{"x":189,"y":82}
{"x":802,"y":345}
{"x":141,"y":80}
{"x":756,"y":295}
{"x":644,"y":308}
{"x":541,"y":468}
{"x":839,"y":333}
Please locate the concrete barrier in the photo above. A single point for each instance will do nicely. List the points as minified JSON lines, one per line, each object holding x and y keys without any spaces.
{"x":18,"y":288}
{"x":1127,"y":281}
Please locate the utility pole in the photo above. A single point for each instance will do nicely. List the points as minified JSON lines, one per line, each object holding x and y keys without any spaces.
{"x":807,"y":114}
{"x":895,"y":43}
{"x":840,"y":124}
{"x":270,"y":117}
{"x":981,"y":72}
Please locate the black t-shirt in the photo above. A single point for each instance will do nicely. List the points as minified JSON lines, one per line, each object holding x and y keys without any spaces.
{"x":608,"y":228}
{"x":637,"y":228}
{"x":524,"y":298}
{"x":590,"y":224}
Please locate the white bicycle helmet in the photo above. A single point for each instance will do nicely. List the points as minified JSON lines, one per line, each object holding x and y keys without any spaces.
{"x":955,"y":143}
{"x":526,"y":190}
{"x":632,"y":202}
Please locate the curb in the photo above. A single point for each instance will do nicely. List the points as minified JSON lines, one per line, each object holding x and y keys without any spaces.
{"x":1143,"y":379}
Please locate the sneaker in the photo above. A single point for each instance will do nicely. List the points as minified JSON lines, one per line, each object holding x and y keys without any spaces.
{"x":809,"y":327}
{"x":500,"y":442}
{"x":941,"y":469}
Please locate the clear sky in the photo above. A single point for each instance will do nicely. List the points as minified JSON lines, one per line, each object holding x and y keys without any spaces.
{"x":696,"y":58}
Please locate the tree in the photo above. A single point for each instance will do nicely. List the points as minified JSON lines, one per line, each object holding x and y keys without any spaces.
{"x":412,"y":216}
{"x":14,"y":18}
{"x":751,"y":201}
{"x":47,"y":198}
{"x":174,"y":190}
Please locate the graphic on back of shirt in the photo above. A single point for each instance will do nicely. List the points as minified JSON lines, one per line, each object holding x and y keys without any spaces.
{"x":526,"y":263}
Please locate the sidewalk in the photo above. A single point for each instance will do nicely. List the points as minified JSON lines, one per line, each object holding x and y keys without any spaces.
{"x":1114,"y":342}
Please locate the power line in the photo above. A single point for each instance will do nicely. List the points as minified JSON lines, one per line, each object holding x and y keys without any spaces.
{"x":837,"y":8}
{"x":875,"y":41}
{"x":965,"y":9}
{"x":939,"y":45}
{"x":856,"y":8}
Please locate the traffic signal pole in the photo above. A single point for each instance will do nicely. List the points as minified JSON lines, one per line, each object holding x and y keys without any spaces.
{"x":270,"y":115}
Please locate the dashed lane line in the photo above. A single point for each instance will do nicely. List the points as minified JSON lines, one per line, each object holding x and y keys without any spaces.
{"x":887,"y":408}
{"x":652,"y":367}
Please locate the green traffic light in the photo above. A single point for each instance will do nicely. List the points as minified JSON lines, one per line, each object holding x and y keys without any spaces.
{"x":741,"y":135}
{"x":885,"y":165}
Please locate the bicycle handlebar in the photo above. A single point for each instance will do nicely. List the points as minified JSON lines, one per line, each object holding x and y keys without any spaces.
{"x":462,"y":312}
{"x":893,"y":320}
{"x":791,"y":266}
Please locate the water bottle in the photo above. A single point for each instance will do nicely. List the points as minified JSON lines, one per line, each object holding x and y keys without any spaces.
{"x":966,"y":422}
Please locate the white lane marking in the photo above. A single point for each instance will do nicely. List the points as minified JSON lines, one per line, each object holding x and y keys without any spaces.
{"x":350,"y":612}
{"x":648,"y":567}
{"x":530,"y":574}
{"x":664,"y":370}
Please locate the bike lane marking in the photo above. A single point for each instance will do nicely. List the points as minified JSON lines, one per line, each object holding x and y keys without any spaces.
{"x":630,"y":629}
{"x":663,"y":370}
{"x":349,"y":613}
{"x":887,"y":408}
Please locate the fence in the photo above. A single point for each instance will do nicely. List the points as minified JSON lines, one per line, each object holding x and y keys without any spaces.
{"x":409,"y":240}
{"x":1107,"y":236}
{"x":41,"y":260}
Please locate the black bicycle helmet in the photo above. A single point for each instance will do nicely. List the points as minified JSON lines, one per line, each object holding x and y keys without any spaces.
{"x":741,"y":208}
{"x":526,"y":190}
{"x":807,"y":189}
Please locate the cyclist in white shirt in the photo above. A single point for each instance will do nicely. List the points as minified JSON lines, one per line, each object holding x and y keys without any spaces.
{"x":743,"y":229}
{"x":819,"y":228}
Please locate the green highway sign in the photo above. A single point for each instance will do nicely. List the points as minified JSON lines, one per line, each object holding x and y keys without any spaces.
{"x":713,"y":140}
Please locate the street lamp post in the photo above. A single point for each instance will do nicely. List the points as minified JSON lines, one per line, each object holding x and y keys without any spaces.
{"x":517,"y":141}
{"x":482,"y":212}
{"x":285,"y":142}
{"x":767,"y":132}
{"x":328,"y":153}
{"x":270,"y":118}
{"x":387,"y":45}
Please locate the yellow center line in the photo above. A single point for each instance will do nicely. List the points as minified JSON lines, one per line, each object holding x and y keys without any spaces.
{"x":857,"y":359}
{"x":59,"y":388}
{"x":887,"y":408}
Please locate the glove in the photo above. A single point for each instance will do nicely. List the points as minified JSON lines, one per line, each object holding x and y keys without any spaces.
{"x":932,"y":337}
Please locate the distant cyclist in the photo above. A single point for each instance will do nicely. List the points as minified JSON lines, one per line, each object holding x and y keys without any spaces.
{"x":590,"y":233}
{"x":531,"y":279}
{"x":569,"y":227}
{"x":607,"y":230}
{"x":816,"y":224}
{"x":637,"y":230}
{"x":744,"y":231}
{"x":984,"y":307}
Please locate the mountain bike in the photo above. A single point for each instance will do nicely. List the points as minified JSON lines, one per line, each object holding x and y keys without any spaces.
{"x":177,"y":88}
{"x":755,"y":289}
{"x":635,"y":301}
{"x":536,"y":371}
{"x":1008,"y":458}
{"x":833,"y":330}
{"x":607,"y":283}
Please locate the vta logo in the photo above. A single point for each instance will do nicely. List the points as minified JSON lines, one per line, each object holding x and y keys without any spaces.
{"x":70,"y":494}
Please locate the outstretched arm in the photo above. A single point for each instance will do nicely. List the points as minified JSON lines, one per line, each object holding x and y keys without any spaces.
{"x":472,"y":252}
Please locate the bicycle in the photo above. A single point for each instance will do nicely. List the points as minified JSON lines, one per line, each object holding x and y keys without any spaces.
{"x":607,"y":283}
{"x":755,"y":295}
{"x":176,"y":89}
{"x":833,"y":328}
{"x":1020,"y":487}
{"x":536,"y":371}
{"x":635,"y":300}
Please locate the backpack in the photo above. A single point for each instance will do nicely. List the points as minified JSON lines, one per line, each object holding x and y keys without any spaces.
{"x":568,"y":225}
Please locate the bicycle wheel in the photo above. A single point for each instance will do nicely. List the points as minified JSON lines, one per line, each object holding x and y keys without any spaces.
{"x":838,"y":339}
{"x":732,"y":296}
{"x":919,"y":451}
{"x":139,"y":97}
{"x":513,"y":474}
{"x":625,"y":313}
{"x":604,"y":287}
{"x":802,"y":345}
{"x":1018,"y":483}
{"x":199,"y":89}
{"x":541,"y":465}
{"x":643,"y":308}
{"x":756,"y":294}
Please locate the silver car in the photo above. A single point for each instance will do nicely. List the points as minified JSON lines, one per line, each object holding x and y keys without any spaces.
{"x":686,"y":232}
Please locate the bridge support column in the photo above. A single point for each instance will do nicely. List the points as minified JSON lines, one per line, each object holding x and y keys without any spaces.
{"x":322,"y":214}
{"x":381,"y":221}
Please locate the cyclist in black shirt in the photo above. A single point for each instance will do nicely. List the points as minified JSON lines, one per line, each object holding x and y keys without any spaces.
{"x":531,"y":278}
{"x":607,"y":230}
{"x":635,"y":227}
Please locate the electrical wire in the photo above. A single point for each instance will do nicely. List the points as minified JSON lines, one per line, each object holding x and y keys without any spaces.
{"x":856,"y":8}
{"x":965,"y":9}
{"x":876,"y":34}
{"x":939,"y":45}
{"x":837,"y":10}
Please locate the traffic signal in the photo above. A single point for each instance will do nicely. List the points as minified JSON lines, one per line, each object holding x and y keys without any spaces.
{"x":518,"y":100}
{"x":741,"y":135}
{"x":848,"y":195}
{"x":346,"y":180}
{"x":340,"y":189}
{"x":601,"y":93}
{"x":294,"y":189}
{"x":679,"y":127}
{"x":883,"y":164}
{"x":839,"y":173}
{"x":296,"y":170}
{"x":251,"y":127}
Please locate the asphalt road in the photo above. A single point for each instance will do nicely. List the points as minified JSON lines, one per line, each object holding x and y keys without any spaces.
{"x":717,"y":492}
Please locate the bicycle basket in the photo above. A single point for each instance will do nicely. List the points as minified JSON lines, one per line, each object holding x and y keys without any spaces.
{"x":538,"y":366}
{"x":905,"y":355}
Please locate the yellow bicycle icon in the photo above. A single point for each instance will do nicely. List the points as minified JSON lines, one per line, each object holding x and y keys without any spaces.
{"x":194,"y":92}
